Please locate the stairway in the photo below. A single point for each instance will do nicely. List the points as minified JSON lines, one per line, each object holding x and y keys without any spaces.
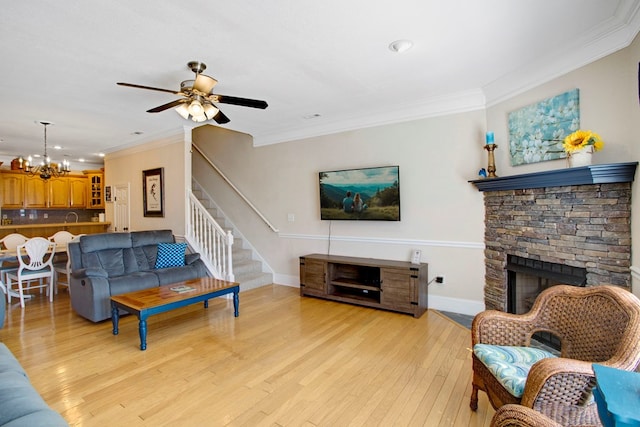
{"x":247,"y":269}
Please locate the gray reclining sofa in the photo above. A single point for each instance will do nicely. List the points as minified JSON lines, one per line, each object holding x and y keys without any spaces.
{"x":20,"y":403}
{"x":116,"y":263}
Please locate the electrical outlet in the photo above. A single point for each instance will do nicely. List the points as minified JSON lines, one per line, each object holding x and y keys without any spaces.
{"x":439,"y":279}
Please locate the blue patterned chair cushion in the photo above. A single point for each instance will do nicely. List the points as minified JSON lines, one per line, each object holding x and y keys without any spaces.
{"x":170,"y":255}
{"x":510,"y":365}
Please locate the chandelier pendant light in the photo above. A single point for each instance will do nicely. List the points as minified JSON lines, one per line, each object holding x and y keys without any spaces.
{"x":45,"y":170}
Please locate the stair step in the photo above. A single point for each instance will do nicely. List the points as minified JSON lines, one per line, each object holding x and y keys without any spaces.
{"x":248,"y":266}
{"x":254,"y":281}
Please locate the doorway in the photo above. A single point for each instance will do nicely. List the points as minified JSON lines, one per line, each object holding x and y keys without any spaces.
{"x":121,"y":207}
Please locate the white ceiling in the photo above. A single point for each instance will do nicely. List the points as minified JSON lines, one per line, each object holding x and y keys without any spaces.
{"x":60,"y":61}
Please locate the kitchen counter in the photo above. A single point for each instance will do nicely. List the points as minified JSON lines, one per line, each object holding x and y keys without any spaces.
{"x":48,"y":229}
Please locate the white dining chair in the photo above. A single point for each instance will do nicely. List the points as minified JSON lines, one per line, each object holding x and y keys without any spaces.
{"x":35,"y":258}
{"x":63,"y":266}
{"x":10,"y":242}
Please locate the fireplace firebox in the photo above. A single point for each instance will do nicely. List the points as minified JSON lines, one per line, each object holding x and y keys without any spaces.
{"x":526,"y":278}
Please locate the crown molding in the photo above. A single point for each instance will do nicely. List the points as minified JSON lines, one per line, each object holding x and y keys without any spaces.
{"x":432,"y":107}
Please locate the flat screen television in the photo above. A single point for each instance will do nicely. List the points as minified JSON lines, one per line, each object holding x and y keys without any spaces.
{"x":367,"y":194}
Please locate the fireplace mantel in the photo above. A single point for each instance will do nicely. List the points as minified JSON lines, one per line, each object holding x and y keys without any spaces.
{"x":592,"y":174}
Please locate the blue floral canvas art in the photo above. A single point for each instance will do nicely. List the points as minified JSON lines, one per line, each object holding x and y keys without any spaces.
{"x":536,"y":131}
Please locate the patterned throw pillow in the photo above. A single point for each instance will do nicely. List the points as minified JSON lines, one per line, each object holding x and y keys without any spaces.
{"x":170,"y":255}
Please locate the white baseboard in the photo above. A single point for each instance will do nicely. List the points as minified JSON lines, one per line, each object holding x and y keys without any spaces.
{"x":286,"y":280}
{"x":456,"y":305}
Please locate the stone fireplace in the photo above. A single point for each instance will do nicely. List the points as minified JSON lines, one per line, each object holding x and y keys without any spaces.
{"x":574,"y":220}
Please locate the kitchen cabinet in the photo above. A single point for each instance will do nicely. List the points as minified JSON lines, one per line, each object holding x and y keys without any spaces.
{"x":35,"y":192}
{"x":95,"y":187}
{"x":57,"y":192}
{"x":20,"y":190}
{"x":12,"y":191}
{"x":78,"y":192}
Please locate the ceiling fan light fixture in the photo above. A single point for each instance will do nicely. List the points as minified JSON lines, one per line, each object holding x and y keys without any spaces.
{"x":183,"y":111}
{"x":195,"y":108}
{"x":210,"y":111}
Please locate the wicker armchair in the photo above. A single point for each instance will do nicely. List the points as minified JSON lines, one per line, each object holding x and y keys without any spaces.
{"x":594,"y":324}
{"x":521,"y":416}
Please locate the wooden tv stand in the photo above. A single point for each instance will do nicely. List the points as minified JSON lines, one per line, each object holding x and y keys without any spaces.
{"x":390,"y":285}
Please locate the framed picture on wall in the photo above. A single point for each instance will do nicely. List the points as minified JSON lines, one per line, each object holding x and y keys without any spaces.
{"x":536,"y":132}
{"x":153,"y":192}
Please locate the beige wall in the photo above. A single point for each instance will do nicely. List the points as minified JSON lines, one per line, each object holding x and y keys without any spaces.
{"x":126,"y":166}
{"x":442,"y":214}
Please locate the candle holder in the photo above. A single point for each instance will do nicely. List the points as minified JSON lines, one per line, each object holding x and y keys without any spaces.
{"x":491,"y":168}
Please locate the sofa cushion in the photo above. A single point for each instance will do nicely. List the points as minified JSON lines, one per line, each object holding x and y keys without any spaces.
{"x":170,"y":255}
{"x":509,"y":364}
{"x":20,"y":403}
{"x":112,"y":261}
{"x":8,"y":362}
{"x":171,"y":275}
{"x":151,"y":237}
{"x":132,"y":282}
{"x":145,"y":246}
{"x":98,"y":242}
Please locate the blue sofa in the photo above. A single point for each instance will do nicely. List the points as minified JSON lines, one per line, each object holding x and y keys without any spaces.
{"x":116,"y":263}
{"x":20,"y":403}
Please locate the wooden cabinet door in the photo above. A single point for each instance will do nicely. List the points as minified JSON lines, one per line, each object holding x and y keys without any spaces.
{"x":78,"y":192}
{"x":12,"y":191}
{"x":398,"y":289}
{"x":95,"y":190}
{"x":35,"y":192}
{"x":58,"y":194}
{"x":313,"y":276}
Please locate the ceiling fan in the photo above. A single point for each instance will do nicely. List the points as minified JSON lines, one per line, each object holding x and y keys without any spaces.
{"x":197,"y":102}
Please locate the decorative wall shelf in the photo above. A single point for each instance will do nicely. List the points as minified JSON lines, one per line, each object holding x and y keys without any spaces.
{"x":592,"y":174}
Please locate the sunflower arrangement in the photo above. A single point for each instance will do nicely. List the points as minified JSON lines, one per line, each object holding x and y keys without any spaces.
{"x":580,"y":139}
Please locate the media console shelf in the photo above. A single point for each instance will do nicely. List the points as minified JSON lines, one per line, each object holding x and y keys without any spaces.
{"x":390,"y":285}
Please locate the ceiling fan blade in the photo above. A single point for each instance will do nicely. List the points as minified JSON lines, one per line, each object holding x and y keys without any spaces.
{"x":168,"y":105}
{"x":150,"y":88}
{"x":220,"y":118}
{"x":245,"y":102}
{"x":204,"y":83}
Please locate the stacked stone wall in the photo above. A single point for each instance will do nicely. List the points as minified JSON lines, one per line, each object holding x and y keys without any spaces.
{"x":586,"y":226}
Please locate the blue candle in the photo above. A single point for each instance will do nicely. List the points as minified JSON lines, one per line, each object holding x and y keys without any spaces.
{"x":490,"y":138}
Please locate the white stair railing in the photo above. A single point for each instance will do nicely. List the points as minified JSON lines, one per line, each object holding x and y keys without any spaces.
{"x":206,"y":236}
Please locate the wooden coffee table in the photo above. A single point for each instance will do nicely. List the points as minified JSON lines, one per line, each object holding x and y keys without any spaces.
{"x":148,"y":302}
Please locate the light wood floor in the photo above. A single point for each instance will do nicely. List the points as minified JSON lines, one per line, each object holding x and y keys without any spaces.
{"x":286,"y":361}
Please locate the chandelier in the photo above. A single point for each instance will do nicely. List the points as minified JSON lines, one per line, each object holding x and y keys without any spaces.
{"x":45,"y":169}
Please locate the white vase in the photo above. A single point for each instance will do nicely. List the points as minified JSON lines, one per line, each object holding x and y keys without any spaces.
{"x":580,"y":157}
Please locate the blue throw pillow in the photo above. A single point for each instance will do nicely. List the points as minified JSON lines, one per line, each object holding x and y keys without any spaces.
{"x":170,"y":255}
